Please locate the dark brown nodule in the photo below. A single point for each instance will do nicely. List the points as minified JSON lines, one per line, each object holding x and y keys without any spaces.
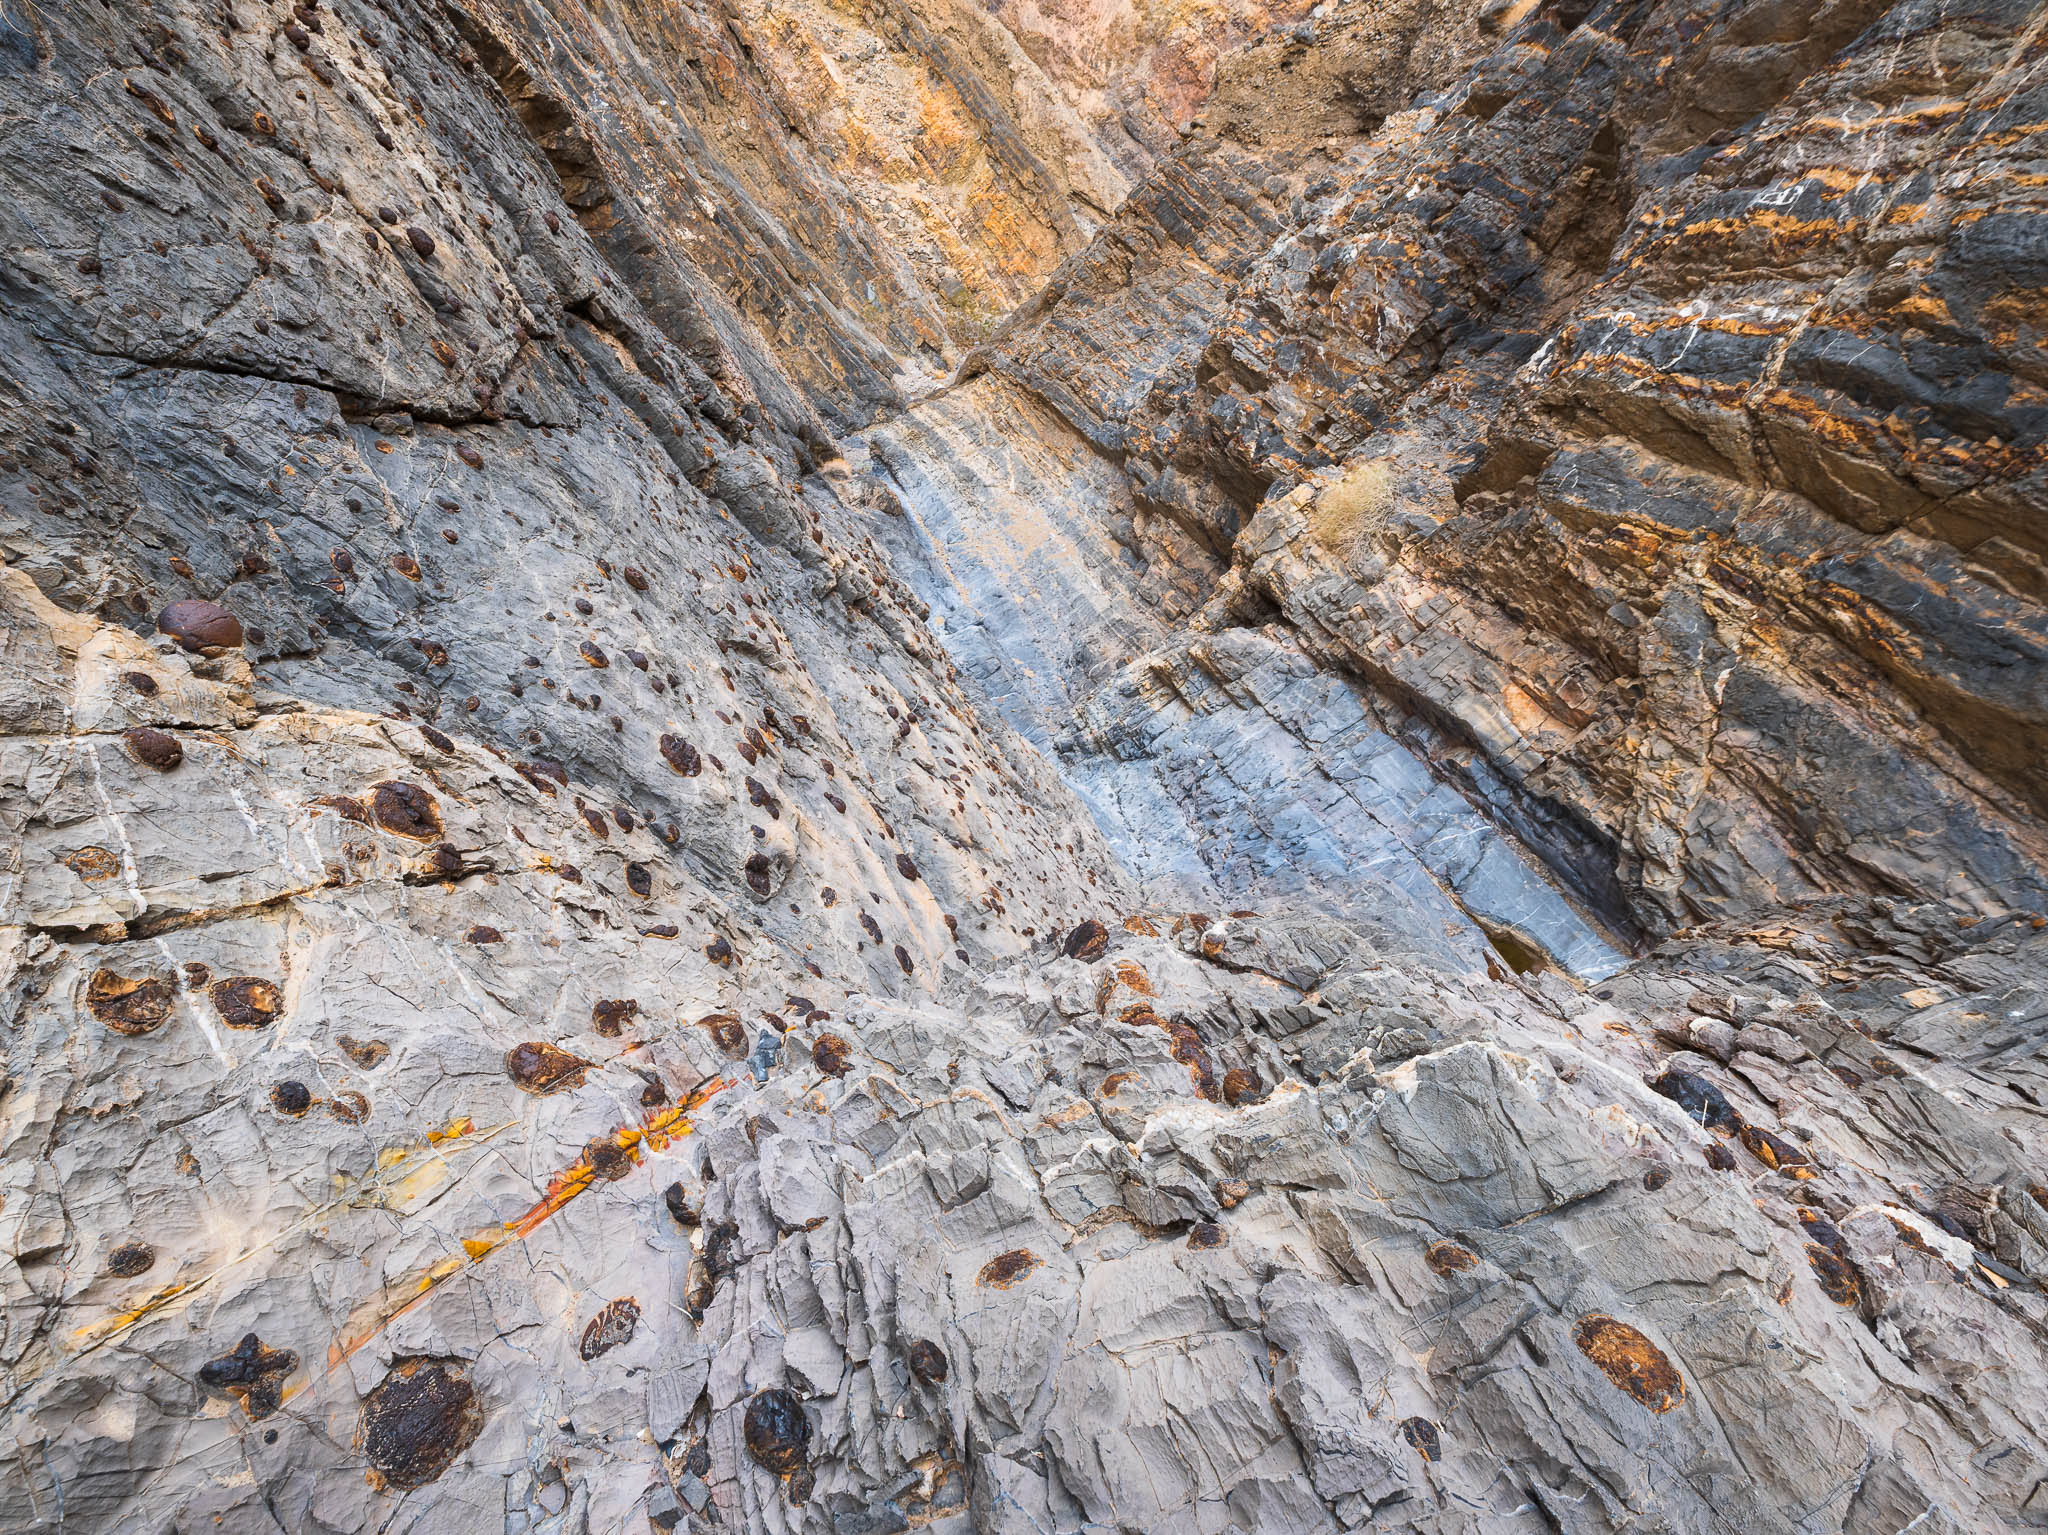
{"x":1629,"y":1359}
{"x":198,"y":625}
{"x":1837,"y":1275}
{"x":610,"y":1016}
{"x":252,"y":1374}
{"x":905,"y":867}
{"x":831,"y":1055}
{"x":291,"y":1099}
{"x":778,"y":1434}
{"x":406,"y":810}
{"x":611,"y":1327}
{"x":482,"y":934}
{"x":1422,"y":1437}
{"x":92,"y":864}
{"x":142,"y":682}
{"x":154,"y":748}
{"x":406,"y":566}
{"x":640,"y":880}
{"x":1720,"y":1158}
{"x":681,"y":755}
{"x":607,"y":1158}
{"x":1447,"y":1257}
{"x":1088,"y":942}
{"x":246,"y":1001}
{"x":421,"y":1416}
{"x":1205,"y":1235}
{"x":1775,"y":1152}
{"x":903,"y":959}
{"x":1005,"y":1269}
{"x":130,"y":1006}
{"x":592,"y":654}
{"x":727,"y":1032}
{"x":635,"y":578}
{"x":366,"y":1053}
{"x":928,"y":1362}
{"x":678,"y":1205}
{"x":1242,"y":1085}
{"x":539,"y":1068}
{"x":469,"y":455}
{"x":130,"y":1259}
{"x":435,"y":739}
{"x":421,"y":242}
{"x":1656,"y":1178}
{"x":760,"y":872}
{"x":719,"y":950}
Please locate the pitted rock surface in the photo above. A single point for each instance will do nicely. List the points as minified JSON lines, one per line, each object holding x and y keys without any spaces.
{"x":1022,"y":769}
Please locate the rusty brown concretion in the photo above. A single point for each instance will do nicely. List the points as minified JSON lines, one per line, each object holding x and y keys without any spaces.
{"x":130,"y":1259}
{"x":928,"y":1362}
{"x":777,"y":1433}
{"x":727,"y":1032}
{"x":154,"y":748}
{"x":246,"y":1001}
{"x":1205,"y":1236}
{"x":1005,"y":1269}
{"x":610,"y":1016}
{"x":1447,"y":1257}
{"x":1837,"y":1275}
{"x":540,"y":1069}
{"x":421,"y":1416}
{"x":1422,"y":1437}
{"x":198,"y":625}
{"x":613,"y":1326}
{"x":1629,"y":1359}
{"x":252,"y":1374}
{"x":129,"y":1005}
{"x":831,"y":1055}
{"x":1087,"y":942}
{"x":406,"y":810}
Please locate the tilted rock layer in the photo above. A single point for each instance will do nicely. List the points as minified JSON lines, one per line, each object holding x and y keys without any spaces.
{"x":596,"y":911}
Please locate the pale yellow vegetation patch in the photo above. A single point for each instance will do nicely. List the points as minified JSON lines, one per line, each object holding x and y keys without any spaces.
{"x":1362,"y":494}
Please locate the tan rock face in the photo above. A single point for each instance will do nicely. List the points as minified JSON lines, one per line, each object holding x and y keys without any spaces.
{"x":577,"y":954}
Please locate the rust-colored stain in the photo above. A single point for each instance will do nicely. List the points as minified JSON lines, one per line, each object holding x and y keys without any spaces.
{"x":1206,"y":1236}
{"x":1447,"y":1257}
{"x":1629,"y":1359}
{"x":607,"y":1157}
{"x":831,"y":1055}
{"x":1144,"y":927}
{"x":1005,"y":1269}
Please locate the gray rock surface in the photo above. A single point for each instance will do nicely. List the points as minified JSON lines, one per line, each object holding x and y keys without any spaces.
{"x":628,"y":968}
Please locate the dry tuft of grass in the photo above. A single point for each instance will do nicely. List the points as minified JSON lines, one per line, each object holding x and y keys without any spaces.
{"x":1360,"y":495}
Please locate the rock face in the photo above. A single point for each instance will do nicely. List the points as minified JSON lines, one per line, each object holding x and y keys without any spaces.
{"x":1384,"y":872}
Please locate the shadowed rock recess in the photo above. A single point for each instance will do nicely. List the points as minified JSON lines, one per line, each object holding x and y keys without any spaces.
{"x":992,"y":767}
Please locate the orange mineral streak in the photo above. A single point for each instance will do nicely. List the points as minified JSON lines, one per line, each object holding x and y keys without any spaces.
{"x":652,"y":1134}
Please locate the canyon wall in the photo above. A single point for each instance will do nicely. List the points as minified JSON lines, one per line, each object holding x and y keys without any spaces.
{"x":1052,"y":767}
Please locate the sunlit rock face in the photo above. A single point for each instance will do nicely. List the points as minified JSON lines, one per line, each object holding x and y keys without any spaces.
{"x":1021,"y":768}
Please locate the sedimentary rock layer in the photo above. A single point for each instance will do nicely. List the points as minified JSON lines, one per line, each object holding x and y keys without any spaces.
{"x":1384,"y":873}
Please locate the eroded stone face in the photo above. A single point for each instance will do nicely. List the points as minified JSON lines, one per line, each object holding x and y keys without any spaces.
{"x":594,"y":1020}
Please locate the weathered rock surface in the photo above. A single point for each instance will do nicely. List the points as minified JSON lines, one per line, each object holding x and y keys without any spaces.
{"x":1384,"y":874}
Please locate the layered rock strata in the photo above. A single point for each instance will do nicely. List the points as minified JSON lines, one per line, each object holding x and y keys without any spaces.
{"x":579,"y":957}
